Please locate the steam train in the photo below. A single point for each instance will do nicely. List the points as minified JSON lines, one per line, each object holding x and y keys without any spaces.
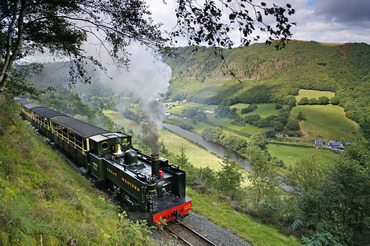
{"x":155,"y":188}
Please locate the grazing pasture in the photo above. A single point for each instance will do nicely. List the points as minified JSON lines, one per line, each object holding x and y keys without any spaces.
{"x":314,"y":94}
{"x":328,"y":122}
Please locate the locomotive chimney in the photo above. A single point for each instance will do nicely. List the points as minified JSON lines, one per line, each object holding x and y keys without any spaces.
{"x":155,"y":164}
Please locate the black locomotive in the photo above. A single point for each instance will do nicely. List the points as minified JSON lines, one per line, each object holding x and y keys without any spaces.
{"x":149,"y":183}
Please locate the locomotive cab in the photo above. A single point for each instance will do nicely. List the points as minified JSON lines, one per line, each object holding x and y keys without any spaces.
{"x":111,"y":145}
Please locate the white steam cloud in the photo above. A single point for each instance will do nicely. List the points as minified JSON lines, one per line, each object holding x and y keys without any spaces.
{"x":141,"y":84}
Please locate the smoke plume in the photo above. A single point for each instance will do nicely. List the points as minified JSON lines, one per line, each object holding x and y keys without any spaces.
{"x":141,"y":85}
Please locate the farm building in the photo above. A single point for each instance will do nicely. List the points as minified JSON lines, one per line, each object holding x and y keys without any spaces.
{"x":318,"y":142}
{"x":336,"y":145}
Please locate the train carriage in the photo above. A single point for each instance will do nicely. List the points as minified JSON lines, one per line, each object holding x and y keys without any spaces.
{"x":41,"y":119}
{"x":73,"y":136}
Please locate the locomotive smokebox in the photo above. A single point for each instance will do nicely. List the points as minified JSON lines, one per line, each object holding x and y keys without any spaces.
{"x":155,"y":164}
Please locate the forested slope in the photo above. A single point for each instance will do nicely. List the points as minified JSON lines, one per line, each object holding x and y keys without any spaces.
{"x":262,"y":74}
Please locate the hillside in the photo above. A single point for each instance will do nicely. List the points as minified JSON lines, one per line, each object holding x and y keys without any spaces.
{"x":265,"y":75}
{"x":44,"y":201}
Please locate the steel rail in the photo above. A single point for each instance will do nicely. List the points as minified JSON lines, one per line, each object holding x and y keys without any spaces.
{"x":198,"y":236}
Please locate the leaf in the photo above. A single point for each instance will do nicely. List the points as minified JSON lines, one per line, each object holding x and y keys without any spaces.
{"x":232,"y":16}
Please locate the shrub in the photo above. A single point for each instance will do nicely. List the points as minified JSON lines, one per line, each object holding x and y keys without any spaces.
{"x":248,"y":109}
{"x":301,"y":116}
{"x":312,"y":101}
{"x":303,"y":101}
{"x":186,"y":126}
{"x":293,"y":125}
{"x":323,"y":100}
{"x":335,"y":100}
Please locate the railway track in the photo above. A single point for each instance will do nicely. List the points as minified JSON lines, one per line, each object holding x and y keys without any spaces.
{"x":188,"y":235}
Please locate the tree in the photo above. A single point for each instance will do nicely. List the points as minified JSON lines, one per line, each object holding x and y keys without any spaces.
{"x":162,"y":148}
{"x":290,"y":101}
{"x":303,"y":101}
{"x":229,"y":177}
{"x":263,"y":176}
{"x":212,"y":134}
{"x":62,"y":27}
{"x":301,"y":116}
{"x":293,"y":125}
{"x":335,"y":100}
{"x":278,"y":126}
{"x":278,"y":105}
{"x":312,"y":101}
{"x":337,"y":209}
{"x":248,"y":109}
{"x":323,"y":100}
{"x":257,"y":140}
{"x":182,"y":159}
{"x":308,"y":173}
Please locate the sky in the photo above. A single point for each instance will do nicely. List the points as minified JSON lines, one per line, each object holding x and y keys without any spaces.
{"x":328,"y":21}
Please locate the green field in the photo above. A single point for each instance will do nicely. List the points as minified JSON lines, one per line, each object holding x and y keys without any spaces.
{"x":264,"y":109}
{"x":227,"y":123}
{"x":291,"y":154}
{"x":327,"y":121}
{"x":198,"y":156}
{"x":121,"y":121}
{"x":178,"y":109}
{"x":117,"y":117}
{"x":314,"y":94}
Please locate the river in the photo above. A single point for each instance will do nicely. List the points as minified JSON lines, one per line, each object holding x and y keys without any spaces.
{"x":217,"y":149}
{"x":214,"y":148}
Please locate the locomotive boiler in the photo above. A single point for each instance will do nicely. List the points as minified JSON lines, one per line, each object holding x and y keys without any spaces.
{"x":149,"y":183}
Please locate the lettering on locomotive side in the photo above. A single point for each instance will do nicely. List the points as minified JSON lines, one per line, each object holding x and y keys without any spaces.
{"x":130,"y":184}
{"x":110,"y":171}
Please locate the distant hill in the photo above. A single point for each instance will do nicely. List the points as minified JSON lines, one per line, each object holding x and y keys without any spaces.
{"x":255,"y":74}
{"x":262,"y":74}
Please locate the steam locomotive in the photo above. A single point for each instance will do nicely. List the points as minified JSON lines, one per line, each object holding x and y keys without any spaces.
{"x":153,"y":186}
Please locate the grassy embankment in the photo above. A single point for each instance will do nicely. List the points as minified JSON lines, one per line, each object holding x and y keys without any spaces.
{"x":221,"y":214}
{"x":44,"y":201}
